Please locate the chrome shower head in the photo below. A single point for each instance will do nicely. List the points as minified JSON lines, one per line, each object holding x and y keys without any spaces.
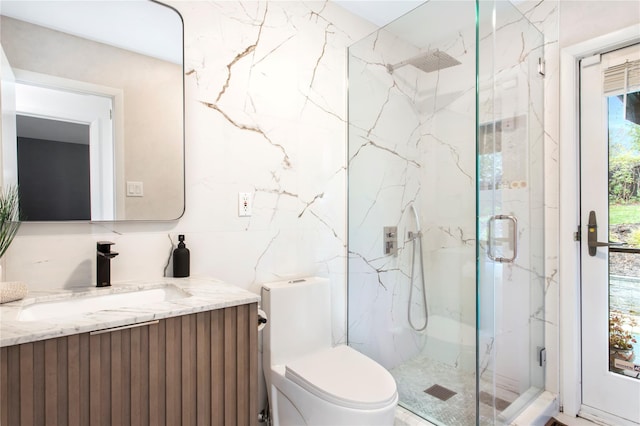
{"x":433,"y":60}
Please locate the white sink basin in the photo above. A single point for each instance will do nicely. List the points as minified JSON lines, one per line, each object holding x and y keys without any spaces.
{"x":44,"y":310}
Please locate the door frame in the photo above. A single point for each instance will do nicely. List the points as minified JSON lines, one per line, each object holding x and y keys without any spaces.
{"x":53,"y":104}
{"x":117,"y":96}
{"x":569,"y":211}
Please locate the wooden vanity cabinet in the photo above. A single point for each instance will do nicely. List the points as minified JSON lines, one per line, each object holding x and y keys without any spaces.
{"x":198,"y":369}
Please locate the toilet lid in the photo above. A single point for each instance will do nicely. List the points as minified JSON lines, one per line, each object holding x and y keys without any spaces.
{"x":345,"y":377}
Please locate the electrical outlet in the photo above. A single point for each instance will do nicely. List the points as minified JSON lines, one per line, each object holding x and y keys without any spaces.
{"x":245,"y":203}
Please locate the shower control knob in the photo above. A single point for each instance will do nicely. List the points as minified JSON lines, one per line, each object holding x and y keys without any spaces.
{"x":390,"y":240}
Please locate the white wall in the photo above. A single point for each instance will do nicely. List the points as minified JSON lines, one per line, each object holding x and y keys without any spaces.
{"x":265,"y":113}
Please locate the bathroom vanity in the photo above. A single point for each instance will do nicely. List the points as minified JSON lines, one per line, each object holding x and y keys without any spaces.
{"x":188,"y":359}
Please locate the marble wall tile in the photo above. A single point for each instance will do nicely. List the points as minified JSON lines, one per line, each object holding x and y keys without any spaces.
{"x":265,"y":111}
{"x":411,"y":143}
{"x":439,"y":178}
{"x":545,"y":16}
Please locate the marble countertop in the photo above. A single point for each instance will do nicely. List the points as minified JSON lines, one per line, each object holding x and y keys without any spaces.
{"x":199,"y":294}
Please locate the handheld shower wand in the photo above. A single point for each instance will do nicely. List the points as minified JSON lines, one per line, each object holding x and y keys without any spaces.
{"x":413,"y":237}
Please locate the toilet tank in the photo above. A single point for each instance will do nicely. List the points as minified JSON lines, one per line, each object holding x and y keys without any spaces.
{"x":299,"y":318}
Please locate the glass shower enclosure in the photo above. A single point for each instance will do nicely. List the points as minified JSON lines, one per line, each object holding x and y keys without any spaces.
{"x":446,"y":219}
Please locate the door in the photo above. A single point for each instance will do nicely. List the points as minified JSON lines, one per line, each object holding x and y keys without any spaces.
{"x":610,"y":235}
{"x":511,"y":270}
{"x":54,"y":106}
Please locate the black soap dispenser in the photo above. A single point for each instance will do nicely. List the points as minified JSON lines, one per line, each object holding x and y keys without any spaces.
{"x":181,"y":259}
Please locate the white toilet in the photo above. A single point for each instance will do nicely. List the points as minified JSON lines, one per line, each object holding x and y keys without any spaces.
{"x":310,"y":382}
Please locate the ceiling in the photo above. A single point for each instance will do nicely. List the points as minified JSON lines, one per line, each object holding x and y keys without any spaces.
{"x":134,"y":25}
{"x":138,"y":25}
{"x":379,"y":12}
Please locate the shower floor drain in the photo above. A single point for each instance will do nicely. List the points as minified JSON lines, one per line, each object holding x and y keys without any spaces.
{"x":498,"y":403}
{"x":440,"y":392}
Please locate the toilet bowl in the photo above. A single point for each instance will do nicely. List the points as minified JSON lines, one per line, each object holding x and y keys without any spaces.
{"x":309,"y":381}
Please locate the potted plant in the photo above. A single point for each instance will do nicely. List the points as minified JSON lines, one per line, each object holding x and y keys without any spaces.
{"x":620,"y":338}
{"x":9,"y":217}
{"x":9,"y":224}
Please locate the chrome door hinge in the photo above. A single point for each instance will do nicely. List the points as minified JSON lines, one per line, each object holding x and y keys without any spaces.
{"x":541,"y":66}
{"x":542,"y":356}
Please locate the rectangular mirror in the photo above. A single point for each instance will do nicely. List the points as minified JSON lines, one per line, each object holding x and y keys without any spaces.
{"x":93,"y":109}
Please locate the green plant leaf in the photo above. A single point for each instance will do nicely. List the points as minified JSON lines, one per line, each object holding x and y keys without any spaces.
{"x":9,"y":217}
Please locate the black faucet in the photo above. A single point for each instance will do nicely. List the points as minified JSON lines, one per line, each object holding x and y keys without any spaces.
{"x":103,"y":260}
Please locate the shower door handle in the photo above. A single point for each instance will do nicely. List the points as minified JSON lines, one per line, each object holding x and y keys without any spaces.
{"x":514,"y":238}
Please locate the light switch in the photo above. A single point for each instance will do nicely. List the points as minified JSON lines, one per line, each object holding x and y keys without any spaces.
{"x":135,"y":189}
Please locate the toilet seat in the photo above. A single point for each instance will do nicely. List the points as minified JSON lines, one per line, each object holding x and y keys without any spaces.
{"x":344,"y":377}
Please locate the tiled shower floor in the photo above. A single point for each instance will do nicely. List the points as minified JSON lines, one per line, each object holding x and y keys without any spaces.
{"x":420,"y":373}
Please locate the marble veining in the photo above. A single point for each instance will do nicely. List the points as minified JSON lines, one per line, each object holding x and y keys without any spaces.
{"x":265,"y":112}
{"x":393,"y":166}
{"x":409,"y":144}
{"x":203,"y":294}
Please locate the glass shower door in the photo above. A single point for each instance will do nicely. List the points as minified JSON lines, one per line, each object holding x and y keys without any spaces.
{"x":412,"y":204}
{"x":510,"y":352}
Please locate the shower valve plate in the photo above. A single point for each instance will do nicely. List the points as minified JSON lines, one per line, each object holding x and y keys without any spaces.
{"x":390,"y":240}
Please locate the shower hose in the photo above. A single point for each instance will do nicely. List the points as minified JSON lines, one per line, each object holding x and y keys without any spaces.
{"x":417,"y":237}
